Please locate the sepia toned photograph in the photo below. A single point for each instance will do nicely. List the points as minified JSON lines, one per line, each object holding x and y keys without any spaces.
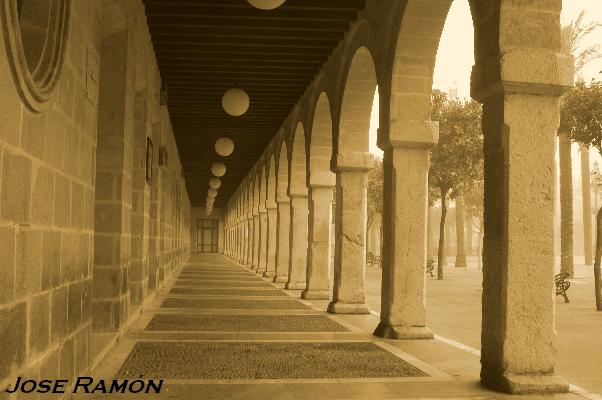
{"x":301,"y":199}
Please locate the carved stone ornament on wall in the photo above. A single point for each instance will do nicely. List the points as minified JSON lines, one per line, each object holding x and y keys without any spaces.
{"x":35,"y":39}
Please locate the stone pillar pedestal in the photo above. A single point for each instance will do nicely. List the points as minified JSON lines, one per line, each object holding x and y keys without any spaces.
{"x":283,"y":236}
{"x":263,"y":241}
{"x":350,"y":234}
{"x":318,"y":255}
{"x":298,"y":242}
{"x":272,"y":237}
{"x":520,"y":122}
{"x":405,"y":202}
{"x":256,"y":235}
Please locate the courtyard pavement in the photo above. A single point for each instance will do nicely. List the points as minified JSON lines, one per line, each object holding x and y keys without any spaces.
{"x":454,"y":312}
{"x":219,"y":331}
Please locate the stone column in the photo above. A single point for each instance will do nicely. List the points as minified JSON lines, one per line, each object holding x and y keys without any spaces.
{"x":318,"y":252}
{"x":263,"y":241}
{"x":520,"y":121}
{"x":282,"y":247}
{"x":350,"y":236}
{"x":405,"y":211}
{"x":256,"y":235}
{"x":272,"y":238}
{"x":298,"y":241}
{"x":248,"y":244}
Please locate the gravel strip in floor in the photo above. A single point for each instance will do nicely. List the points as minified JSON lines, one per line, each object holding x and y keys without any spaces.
{"x":244,"y":360}
{"x":213,"y":304}
{"x":226,"y":292}
{"x":180,"y":283}
{"x":244,"y":323}
{"x":220,"y":278}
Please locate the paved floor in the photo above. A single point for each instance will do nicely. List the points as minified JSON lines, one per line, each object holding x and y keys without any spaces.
{"x":213,"y":346}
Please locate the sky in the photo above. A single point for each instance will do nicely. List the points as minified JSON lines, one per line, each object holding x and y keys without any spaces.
{"x":455,"y":57}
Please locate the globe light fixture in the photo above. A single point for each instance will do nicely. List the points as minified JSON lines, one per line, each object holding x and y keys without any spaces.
{"x":235,"y":102}
{"x":266,"y":4}
{"x":224,"y":146}
{"x":212,"y":193}
{"x":215,"y":183}
{"x":218,"y":169}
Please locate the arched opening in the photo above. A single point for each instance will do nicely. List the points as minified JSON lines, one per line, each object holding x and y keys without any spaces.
{"x":356,"y":108}
{"x":299,"y":210}
{"x":283,"y":216}
{"x":272,"y":217}
{"x":353,"y":162}
{"x":320,"y":198}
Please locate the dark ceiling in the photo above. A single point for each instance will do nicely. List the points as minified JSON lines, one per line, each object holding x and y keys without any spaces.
{"x":203,"y":46}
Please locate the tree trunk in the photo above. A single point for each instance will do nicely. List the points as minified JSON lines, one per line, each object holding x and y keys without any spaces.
{"x":469,"y":234}
{"x":429,"y":233}
{"x":587,"y":204}
{"x":480,"y":245}
{"x":441,"y":255}
{"x":597,"y":274}
{"x":566,"y":205}
{"x":460,"y":248}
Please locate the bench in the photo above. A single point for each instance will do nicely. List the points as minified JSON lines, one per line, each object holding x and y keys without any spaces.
{"x":562,"y":285}
{"x":430,"y":266}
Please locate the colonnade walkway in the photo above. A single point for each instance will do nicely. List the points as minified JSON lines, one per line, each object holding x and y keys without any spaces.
{"x":219,"y":331}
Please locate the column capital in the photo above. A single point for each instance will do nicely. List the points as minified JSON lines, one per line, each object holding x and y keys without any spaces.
{"x":354,"y":161}
{"x":532,"y":71}
{"x":283,"y":200}
{"x":271,"y":206}
{"x":407,"y":133}
{"x":299,"y":195}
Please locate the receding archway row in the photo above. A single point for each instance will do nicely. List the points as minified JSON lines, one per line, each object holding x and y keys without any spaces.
{"x":278,"y":222}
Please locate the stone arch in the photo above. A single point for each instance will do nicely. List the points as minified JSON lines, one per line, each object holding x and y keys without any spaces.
{"x":262,"y":186}
{"x":356,"y":104}
{"x":271,"y":180}
{"x":282,"y":181}
{"x":297,"y":176}
{"x":406,"y":91}
{"x":320,"y":143}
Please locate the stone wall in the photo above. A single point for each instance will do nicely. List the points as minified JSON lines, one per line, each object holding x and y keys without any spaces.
{"x":81,"y":233}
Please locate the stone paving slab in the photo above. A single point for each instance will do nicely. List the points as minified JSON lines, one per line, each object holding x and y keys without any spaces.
{"x":244,"y":360}
{"x":226,"y":292}
{"x":244,"y":323}
{"x":233,"y":304}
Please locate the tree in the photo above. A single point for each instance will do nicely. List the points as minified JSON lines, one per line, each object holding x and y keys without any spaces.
{"x":375,"y":191}
{"x":573,"y":36}
{"x":474,"y":206}
{"x":581,"y":117}
{"x":456,"y":159}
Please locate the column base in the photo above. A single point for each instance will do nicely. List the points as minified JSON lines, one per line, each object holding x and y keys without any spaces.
{"x":281,"y":279}
{"x":337,"y":307}
{"x":260,"y":271}
{"x":311,"y":294}
{"x":384,"y":330}
{"x":268,"y":274}
{"x":295,"y":286}
{"x":526,"y":384}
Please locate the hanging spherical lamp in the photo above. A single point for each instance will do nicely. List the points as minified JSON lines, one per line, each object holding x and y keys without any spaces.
{"x":215,"y":183}
{"x":212,"y":193}
{"x":218,"y":169}
{"x":224,"y":146}
{"x":235,"y":102}
{"x":266,"y":4}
